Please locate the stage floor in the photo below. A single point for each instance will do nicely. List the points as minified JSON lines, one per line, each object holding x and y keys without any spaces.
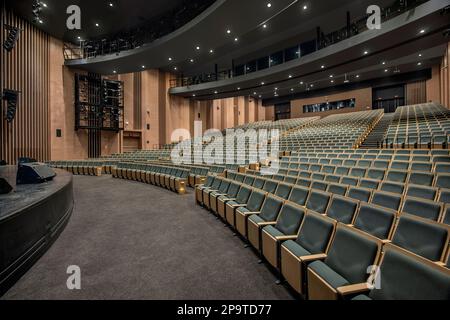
{"x":24,"y":196}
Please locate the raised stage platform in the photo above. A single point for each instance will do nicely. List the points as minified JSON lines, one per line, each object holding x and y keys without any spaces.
{"x":31,"y":218}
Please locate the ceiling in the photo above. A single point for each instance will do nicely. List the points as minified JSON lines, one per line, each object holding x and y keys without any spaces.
{"x":121,"y":16}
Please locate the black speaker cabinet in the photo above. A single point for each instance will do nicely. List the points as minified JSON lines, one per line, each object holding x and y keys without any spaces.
{"x":5,"y":187}
{"x":32,"y":173}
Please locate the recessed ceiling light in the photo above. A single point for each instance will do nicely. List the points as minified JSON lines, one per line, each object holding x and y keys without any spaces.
{"x":269,"y":5}
{"x":322,"y":67}
{"x":292,"y":89}
{"x":386,"y":70}
{"x":111,"y":4}
{"x":175,"y":68}
{"x":290,"y":76}
{"x":260,"y":96}
{"x":301,"y":82}
{"x":305,"y":7}
{"x":191,"y":60}
{"x":254,"y":93}
{"x":44,"y":4}
{"x":419,"y":63}
{"x":143,"y":67}
{"x":331,"y":76}
{"x":264,"y":26}
{"x":193,"y":94}
{"x":228,"y":31}
{"x":422,"y":31}
{"x":262,"y":83}
{"x":170,"y":59}
{"x":420,"y":55}
{"x":366,"y":52}
{"x":236,"y":39}
{"x":312,"y":85}
{"x":40,"y":21}
{"x":332,"y":81}
{"x":114,"y":71}
{"x":215,"y":92}
{"x":276,"y":89}
{"x":198,"y":48}
{"x":357,"y":75}
{"x":211,"y":51}
{"x":97,"y":25}
{"x":383,"y":63}
{"x":239,"y":88}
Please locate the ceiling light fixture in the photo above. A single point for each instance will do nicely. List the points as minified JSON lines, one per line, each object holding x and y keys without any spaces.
{"x":198,"y":47}
{"x":322,"y":67}
{"x":269,"y":5}
{"x":305,"y":7}
{"x":211,"y":51}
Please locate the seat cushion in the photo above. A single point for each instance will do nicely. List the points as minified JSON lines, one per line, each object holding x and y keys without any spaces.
{"x":256,"y":218}
{"x":333,"y":278}
{"x":273,"y":231}
{"x":296,"y":249}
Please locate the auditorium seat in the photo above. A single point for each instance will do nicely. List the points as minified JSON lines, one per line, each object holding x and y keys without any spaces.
{"x":349,"y":262}
{"x":421,"y":178}
{"x":387,"y":200}
{"x":342,"y":209}
{"x":258,"y":220}
{"x":422,"y":208}
{"x":283,"y":191}
{"x":392,"y":187}
{"x":213,"y":188}
{"x":359,"y":194}
{"x":423,"y":237}
{"x":299,"y":195}
{"x":422,"y":192}
{"x":442,"y":181}
{"x":311,"y":243}
{"x":241,"y":198}
{"x":375,"y":220}
{"x":318,"y":201}
{"x":271,"y":206}
{"x":286,"y":228}
{"x":338,"y":189}
{"x":231,"y":192}
{"x":406,"y":276}
{"x":252,"y":204}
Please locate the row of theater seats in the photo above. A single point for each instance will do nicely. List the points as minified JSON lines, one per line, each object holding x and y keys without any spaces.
{"x":335,"y":131}
{"x":86,"y":167}
{"x":329,"y":247}
{"x":412,"y":201}
{"x":423,"y":125}
{"x":163,"y":175}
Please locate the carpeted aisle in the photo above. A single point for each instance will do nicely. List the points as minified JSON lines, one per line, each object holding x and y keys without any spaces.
{"x":136,"y":241}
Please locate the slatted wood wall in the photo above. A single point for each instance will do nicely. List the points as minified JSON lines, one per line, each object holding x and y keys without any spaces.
{"x":416,"y":92}
{"x":26,"y":69}
{"x":137,"y":101}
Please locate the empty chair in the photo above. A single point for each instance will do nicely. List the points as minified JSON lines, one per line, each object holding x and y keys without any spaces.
{"x":338,"y":189}
{"x":375,"y":220}
{"x":421,"y":166}
{"x":241,"y":198}
{"x":359,"y":194}
{"x":253,"y":204}
{"x":313,"y":238}
{"x":319,"y":185}
{"x":342,"y":171}
{"x":304,"y":182}
{"x":206,"y":191}
{"x":406,"y":276}
{"x":342,"y":209}
{"x":299,"y":195}
{"x":283,"y":190}
{"x":350,"y":181}
{"x":258,"y":183}
{"x":400,"y":165}
{"x":270,"y":207}
{"x":392,"y":187}
{"x":446,"y":215}
{"x":381,"y":164}
{"x":444,"y":196}
{"x":357,"y":172}
{"x":333,"y":178}
{"x":257,"y":221}
{"x":369,"y":183}
{"x":423,"y":237}
{"x":387,"y":200}
{"x":212,"y":196}
{"x":318,"y":201}
{"x":422,"y":192}
{"x":421,"y":178}
{"x":376,"y":174}
{"x":422,"y":208}
{"x":396,"y":176}
{"x":349,"y":261}
{"x":216,"y":197}
{"x":270,"y":186}
{"x":286,"y":228}
{"x":199,"y":189}
{"x":442,"y":181}
{"x":442,"y":168}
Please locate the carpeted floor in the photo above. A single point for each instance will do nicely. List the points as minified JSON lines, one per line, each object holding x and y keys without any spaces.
{"x":136,"y":241}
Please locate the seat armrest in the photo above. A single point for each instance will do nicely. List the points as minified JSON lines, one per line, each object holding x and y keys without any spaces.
{"x":353,"y":289}
{"x":440,"y":263}
{"x":386,"y":241}
{"x":250,"y":213}
{"x":313,"y":257}
{"x":268,"y":223}
{"x":238,"y":205}
{"x":229,"y":199}
{"x":350,"y":225}
{"x":285,"y":238}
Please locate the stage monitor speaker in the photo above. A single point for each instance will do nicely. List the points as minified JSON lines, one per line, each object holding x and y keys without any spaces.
{"x":32,"y":173}
{"x":3,"y":163}
{"x":5,"y":187}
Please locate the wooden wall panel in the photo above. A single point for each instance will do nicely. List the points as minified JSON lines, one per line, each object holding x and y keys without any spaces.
{"x":26,"y":69}
{"x":416,"y":92}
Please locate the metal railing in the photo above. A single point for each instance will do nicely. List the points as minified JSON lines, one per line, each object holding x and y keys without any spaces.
{"x":356,"y":27}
